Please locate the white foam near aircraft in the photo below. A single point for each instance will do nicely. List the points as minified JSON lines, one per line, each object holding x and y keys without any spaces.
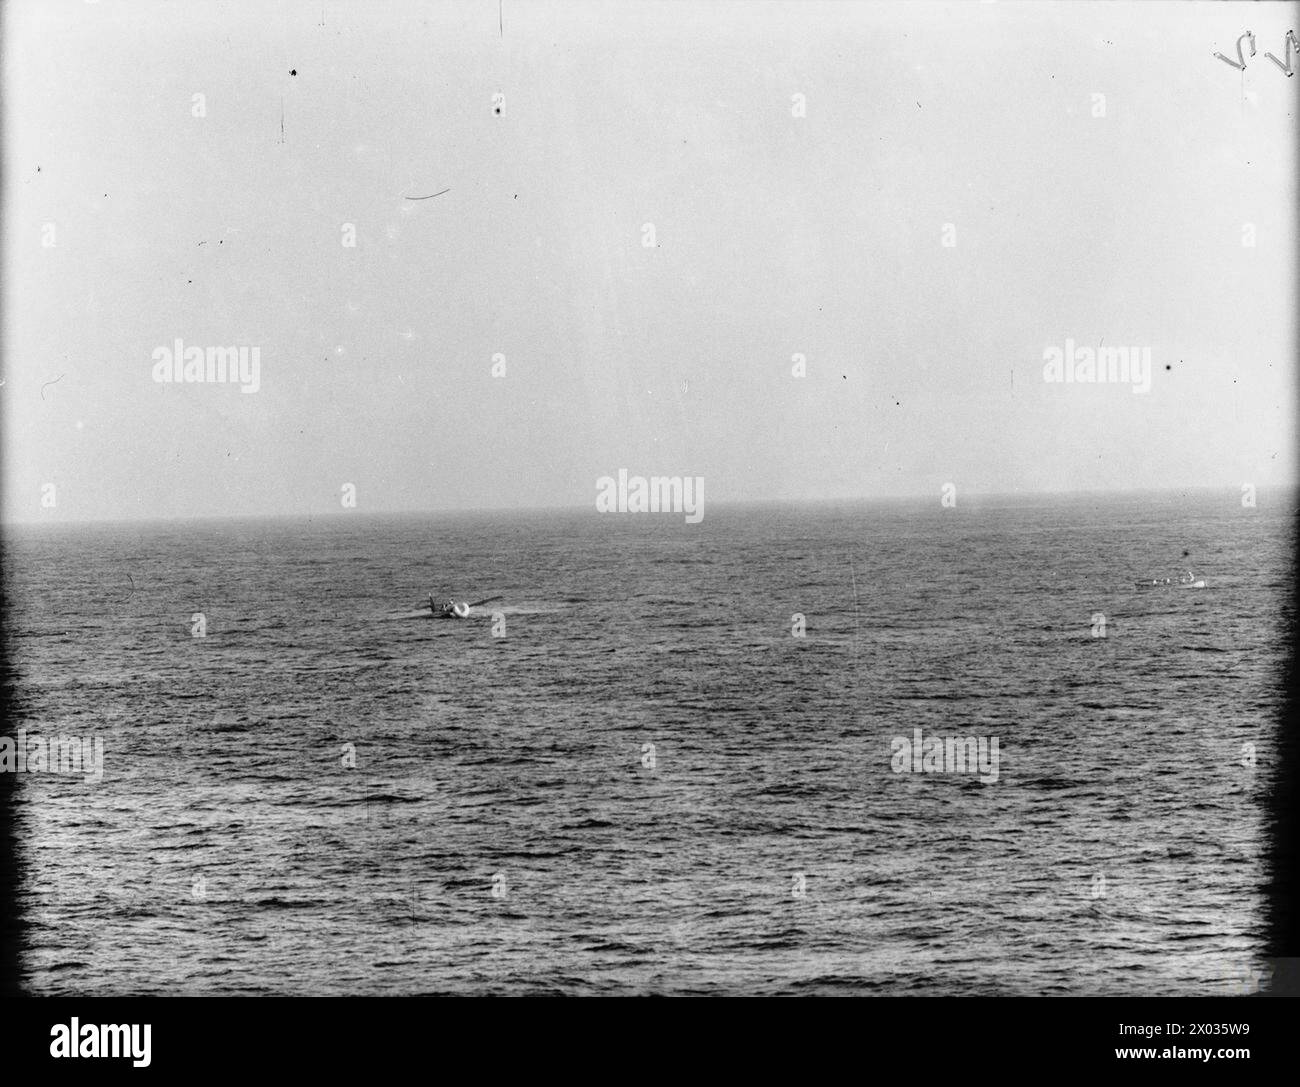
{"x":456,"y":609}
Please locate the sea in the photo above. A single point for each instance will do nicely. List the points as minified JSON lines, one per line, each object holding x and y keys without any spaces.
{"x":666,"y":761}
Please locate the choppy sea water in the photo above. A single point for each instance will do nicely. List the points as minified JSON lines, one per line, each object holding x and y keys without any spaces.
{"x":635,"y":777}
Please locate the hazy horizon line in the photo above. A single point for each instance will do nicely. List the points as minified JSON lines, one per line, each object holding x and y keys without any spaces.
{"x":351,"y":513}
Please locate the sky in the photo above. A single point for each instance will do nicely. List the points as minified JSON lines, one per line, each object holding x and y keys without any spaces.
{"x":920,"y":201}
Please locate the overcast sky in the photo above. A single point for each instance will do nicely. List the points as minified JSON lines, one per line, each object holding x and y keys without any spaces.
{"x":774,"y":234}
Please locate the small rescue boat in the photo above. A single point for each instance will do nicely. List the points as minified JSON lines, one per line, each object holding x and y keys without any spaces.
{"x":1187,"y":581}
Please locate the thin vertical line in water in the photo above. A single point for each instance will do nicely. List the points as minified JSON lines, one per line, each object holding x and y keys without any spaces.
{"x":854,"y":576}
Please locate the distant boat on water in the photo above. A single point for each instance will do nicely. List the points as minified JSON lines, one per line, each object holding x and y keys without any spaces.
{"x":1187,"y":581}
